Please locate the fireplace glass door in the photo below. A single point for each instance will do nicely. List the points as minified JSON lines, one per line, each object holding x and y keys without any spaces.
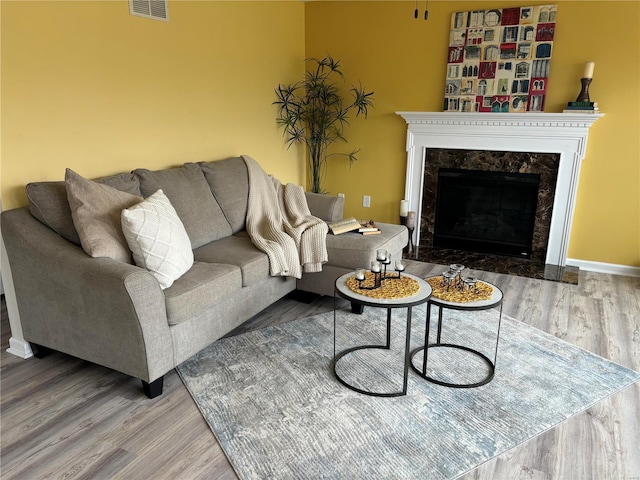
{"x":486,"y":212}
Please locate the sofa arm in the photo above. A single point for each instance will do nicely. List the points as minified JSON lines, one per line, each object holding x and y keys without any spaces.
{"x":326,"y":207}
{"x":98,"y":309}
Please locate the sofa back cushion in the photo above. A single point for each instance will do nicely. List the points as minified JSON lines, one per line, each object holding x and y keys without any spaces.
{"x":125,"y":182}
{"x":326,"y":207}
{"x":190,"y":195}
{"x":229,"y":182}
{"x":48,"y":202}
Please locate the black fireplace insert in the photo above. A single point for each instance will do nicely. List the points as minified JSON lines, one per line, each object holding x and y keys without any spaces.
{"x":486,"y":212}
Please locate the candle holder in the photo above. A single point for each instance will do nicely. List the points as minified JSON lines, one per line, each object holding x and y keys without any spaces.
{"x":410,"y":250}
{"x":411,"y":225}
{"x":584,"y":93}
{"x":399,"y":267}
{"x":453,"y":279}
{"x":457,"y":267}
{"x":448,"y":279}
{"x":379,"y":270}
{"x":471,"y":284}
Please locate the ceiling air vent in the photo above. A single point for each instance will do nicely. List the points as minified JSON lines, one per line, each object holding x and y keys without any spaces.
{"x":156,"y":9}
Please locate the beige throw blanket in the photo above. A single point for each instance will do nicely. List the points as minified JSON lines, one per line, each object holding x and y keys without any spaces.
{"x":280,"y":224}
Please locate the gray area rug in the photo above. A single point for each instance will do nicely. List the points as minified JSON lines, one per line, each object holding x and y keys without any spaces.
{"x":272,"y":401}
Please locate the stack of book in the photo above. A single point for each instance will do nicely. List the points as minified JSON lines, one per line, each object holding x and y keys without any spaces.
{"x":581,"y":107}
{"x":368,"y":228}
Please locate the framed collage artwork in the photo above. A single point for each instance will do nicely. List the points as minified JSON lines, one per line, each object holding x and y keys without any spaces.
{"x":499,"y":59}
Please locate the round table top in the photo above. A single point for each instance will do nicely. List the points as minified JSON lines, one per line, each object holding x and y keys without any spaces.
{"x":496,"y":299}
{"x":421,"y":297}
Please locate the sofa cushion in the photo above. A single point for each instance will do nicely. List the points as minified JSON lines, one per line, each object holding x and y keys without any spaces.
{"x":158,"y":239}
{"x":229,"y":182}
{"x":353,"y":250}
{"x":192,"y":199}
{"x":200,"y":289}
{"x":48,"y":202}
{"x":125,"y":182}
{"x":95,"y":209}
{"x":239,"y":251}
{"x":326,"y":207}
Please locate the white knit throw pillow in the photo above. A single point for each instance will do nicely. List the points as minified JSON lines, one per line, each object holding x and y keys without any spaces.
{"x":157,"y":238}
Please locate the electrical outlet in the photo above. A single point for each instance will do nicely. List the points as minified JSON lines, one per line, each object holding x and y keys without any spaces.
{"x":366,"y":201}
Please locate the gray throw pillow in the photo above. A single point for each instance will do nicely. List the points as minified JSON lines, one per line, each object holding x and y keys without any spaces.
{"x":96,"y":209}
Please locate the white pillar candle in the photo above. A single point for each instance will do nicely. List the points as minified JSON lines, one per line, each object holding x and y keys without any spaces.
{"x":381,"y":255}
{"x":375,"y":267}
{"x":588,"y":69}
{"x":404,"y":208}
{"x":360,"y":274}
{"x":399,"y":265}
{"x":411,"y":220}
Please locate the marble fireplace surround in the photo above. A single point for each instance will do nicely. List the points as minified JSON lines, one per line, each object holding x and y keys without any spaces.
{"x":555,"y":133}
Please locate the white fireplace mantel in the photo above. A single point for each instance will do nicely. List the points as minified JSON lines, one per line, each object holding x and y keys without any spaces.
{"x":562,"y":133}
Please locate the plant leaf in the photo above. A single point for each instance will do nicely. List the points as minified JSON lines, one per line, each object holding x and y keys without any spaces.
{"x":313,"y":112}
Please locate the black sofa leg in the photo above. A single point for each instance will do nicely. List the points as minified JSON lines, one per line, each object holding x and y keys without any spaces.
{"x":153,"y":389}
{"x":357,"y":308}
{"x":303,"y":297}
{"x":39,"y":351}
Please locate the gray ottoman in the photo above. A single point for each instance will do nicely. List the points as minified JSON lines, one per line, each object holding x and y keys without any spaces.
{"x":349,"y":251}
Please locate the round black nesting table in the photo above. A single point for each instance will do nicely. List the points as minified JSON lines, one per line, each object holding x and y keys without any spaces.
{"x":494,"y":301}
{"x":342,"y":290}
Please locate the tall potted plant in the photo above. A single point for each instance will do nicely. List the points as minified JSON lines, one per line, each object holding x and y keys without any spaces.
{"x":313,"y":112}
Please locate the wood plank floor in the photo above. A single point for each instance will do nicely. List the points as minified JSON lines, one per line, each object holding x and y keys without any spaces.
{"x":65,"y":418}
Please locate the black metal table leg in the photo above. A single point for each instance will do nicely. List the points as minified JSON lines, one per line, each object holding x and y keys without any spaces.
{"x":389,"y":304}
{"x":494,"y":301}
{"x":407,"y":352}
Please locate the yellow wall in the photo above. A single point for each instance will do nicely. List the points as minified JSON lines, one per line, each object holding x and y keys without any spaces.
{"x":403,"y":60}
{"x":85,"y":85}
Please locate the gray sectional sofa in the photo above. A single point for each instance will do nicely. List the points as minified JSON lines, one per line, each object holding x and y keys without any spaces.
{"x":117,"y":315}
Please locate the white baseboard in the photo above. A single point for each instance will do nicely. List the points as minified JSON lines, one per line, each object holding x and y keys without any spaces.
{"x":19,"y":348}
{"x":612,"y":268}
